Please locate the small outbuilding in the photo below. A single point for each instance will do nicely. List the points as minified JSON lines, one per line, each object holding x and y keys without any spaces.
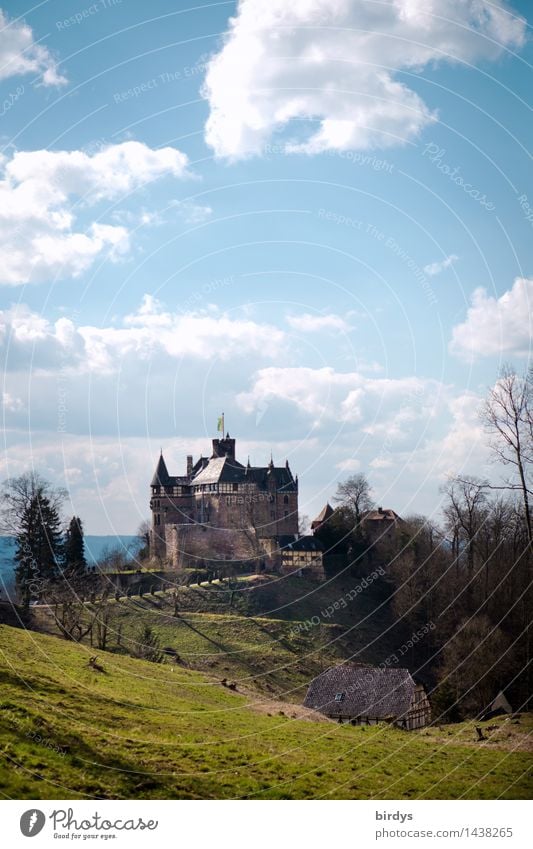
{"x":498,"y":707}
{"x":302,"y":555}
{"x":365,"y":695}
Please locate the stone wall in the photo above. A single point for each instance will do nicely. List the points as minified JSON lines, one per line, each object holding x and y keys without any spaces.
{"x":189,"y":546}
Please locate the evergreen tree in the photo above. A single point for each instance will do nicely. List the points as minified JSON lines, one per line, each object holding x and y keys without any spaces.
{"x":31,"y":513}
{"x":75,"y":560}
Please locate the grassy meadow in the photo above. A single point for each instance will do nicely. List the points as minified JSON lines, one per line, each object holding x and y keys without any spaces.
{"x":134,"y":729}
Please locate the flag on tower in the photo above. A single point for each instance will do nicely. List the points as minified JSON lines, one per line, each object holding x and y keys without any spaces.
{"x":220,"y":425}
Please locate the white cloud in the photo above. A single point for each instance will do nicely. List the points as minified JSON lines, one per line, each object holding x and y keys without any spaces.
{"x":464,"y":448}
{"x":11,"y":403}
{"x":329,"y":62}
{"x":349,"y":465}
{"x":27,"y":338}
{"x":20,"y":55}
{"x":307,"y":323}
{"x":436,"y":267}
{"x":193,"y":213}
{"x":383,"y":407}
{"x":44,"y":193}
{"x":496,"y":326}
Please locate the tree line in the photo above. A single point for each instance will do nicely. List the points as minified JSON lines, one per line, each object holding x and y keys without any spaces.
{"x":469,"y":575}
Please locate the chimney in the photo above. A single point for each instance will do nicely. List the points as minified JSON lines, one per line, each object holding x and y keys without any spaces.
{"x":189,"y":465}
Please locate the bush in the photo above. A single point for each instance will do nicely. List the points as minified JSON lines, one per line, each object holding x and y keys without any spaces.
{"x":148,"y":645}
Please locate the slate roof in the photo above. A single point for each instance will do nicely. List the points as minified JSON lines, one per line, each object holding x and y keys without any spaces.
{"x":288,"y":542}
{"x":262,"y":475}
{"x":220,"y":470}
{"x":161,"y":476}
{"x":367,"y":691}
{"x":228,"y":470}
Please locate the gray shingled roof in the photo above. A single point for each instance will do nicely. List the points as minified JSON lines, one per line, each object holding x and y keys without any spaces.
{"x":220,"y":470}
{"x":366,"y":691}
{"x":282,"y":476}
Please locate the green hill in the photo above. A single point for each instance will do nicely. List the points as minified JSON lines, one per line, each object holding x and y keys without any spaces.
{"x":270,"y":634}
{"x":270,"y":656}
{"x":133,"y":729}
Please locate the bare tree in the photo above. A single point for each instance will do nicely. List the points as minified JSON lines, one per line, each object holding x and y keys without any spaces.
{"x":304,"y":523}
{"x":476,"y":663}
{"x":74,"y":618}
{"x":465,"y":514}
{"x":354,"y":493}
{"x":508,"y":417}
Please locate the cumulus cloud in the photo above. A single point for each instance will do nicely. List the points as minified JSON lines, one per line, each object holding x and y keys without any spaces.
{"x":384,"y":407}
{"x":27,"y":338}
{"x":20,"y":55}
{"x":307,"y":323}
{"x":496,"y":326}
{"x":464,"y":448}
{"x":330,"y":66}
{"x":435,"y":268}
{"x":43,"y":194}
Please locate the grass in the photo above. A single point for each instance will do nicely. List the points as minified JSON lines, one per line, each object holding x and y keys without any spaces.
{"x":141,"y":730}
{"x":271,"y":656}
{"x":272,"y":634}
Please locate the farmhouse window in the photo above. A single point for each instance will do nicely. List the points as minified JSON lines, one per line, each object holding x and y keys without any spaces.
{"x":339,"y":697}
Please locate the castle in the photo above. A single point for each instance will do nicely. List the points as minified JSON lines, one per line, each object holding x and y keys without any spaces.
{"x":221,"y":510}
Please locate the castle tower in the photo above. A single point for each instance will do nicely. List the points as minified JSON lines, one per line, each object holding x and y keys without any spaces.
{"x":224,"y":447}
{"x":160,"y":480}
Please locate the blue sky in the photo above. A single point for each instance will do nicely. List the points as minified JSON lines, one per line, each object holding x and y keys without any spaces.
{"x":318,"y":219}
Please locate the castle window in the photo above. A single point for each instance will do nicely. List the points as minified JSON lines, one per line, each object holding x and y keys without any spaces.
{"x":235,"y":487}
{"x":285,"y":499}
{"x":286,"y":513}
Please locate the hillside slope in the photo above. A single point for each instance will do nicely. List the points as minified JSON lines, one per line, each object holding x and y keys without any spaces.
{"x":272,"y":634}
{"x":138,"y":730}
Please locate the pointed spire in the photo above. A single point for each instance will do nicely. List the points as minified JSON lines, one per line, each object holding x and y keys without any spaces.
{"x":248,"y":464}
{"x":161,"y":476}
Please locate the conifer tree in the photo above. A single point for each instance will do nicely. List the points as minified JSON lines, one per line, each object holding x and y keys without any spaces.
{"x":30,"y":508}
{"x":75,"y":561}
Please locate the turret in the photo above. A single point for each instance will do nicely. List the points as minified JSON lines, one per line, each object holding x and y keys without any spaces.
{"x":161,"y":476}
{"x":224,"y":447}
